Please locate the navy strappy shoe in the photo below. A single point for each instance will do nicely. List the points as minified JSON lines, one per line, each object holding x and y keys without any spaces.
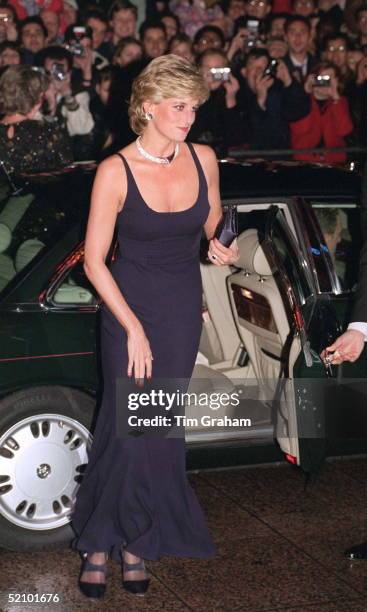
{"x":137,"y":587}
{"x":92,"y":589}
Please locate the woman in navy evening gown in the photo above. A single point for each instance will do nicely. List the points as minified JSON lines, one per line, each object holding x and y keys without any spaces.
{"x":135,"y":501}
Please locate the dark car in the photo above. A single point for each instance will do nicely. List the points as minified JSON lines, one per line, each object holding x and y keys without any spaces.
{"x":265,"y":323}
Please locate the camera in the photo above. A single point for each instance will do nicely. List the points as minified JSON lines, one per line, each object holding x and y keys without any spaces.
{"x":252,"y":26}
{"x":220,"y":74}
{"x":5,"y":17}
{"x":58,"y":71}
{"x":79,"y":31}
{"x":322,"y":80}
{"x":271,"y":69}
{"x":75,"y":47}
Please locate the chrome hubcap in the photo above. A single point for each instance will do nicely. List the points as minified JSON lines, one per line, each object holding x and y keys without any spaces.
{"x":42,"y":459}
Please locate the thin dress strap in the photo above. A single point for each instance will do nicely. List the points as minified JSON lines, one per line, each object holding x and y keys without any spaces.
{"x":125,"y":164}
{"x":202,"y":177}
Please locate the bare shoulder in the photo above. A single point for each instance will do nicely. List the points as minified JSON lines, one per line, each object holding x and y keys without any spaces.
{"x":208,"y":160}
{"x":111,"y":180}
{"x":110,"y":166}
{"x":205,"y":154}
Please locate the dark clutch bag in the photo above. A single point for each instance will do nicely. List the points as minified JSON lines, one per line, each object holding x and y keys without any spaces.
{"x":227,"y":229}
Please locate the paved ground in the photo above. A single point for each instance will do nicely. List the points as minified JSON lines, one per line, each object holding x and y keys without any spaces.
{"x":280,"y":548}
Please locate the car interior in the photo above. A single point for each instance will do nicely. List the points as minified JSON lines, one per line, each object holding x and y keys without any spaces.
{"x":245,"y":327}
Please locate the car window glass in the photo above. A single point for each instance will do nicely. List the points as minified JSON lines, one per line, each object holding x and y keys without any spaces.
{"x":290,"y":257}
{"x":341,"y":228}
{"x":33,"y":220}
{"x":75,"y":289}
{"x":253,"y":219}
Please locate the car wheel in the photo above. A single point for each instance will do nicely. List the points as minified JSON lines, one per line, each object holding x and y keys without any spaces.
{"x":44,"y":443}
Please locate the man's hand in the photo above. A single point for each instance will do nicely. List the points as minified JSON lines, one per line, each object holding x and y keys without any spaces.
{"x":309,"y":83}
{"x":262,"y":86}
{"x":85,"y":62}
{"x":348,"y":347}
{"x":231,"y":86}
{"x":283,"y":74}
{"x":11,"y":31}
{"x":237,"y":42}
{"x":63,"y":87}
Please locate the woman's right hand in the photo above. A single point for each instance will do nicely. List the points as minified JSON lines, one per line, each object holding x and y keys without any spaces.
{"x":140,"y":355}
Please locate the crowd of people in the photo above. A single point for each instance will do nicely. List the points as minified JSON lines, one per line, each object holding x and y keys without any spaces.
{"x":282,"y":74}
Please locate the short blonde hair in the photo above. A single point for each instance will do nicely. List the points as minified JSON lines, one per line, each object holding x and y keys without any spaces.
{"x":167,"y":76}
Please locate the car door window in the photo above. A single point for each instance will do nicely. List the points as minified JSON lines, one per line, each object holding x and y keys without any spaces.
{"x":290,"y":256}
{"x":36,"y":217}
{"x":340,"y":224}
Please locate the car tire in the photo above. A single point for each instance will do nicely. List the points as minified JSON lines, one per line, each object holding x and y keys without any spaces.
{"x":19,"y":413}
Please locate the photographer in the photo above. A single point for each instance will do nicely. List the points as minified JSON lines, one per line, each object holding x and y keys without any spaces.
{"x":8,"y":23}
{"x":218,"y":122}
{"x":270,"y":99}
{"x":328,"y":122}
{"x":249,"y":33}
{"x":71,"y":102}
{"x":79,"y":41}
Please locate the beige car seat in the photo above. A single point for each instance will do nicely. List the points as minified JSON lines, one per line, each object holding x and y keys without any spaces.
{"x":258,"y":308}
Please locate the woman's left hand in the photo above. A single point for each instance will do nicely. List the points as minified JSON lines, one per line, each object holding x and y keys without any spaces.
{"x":220,"y":255}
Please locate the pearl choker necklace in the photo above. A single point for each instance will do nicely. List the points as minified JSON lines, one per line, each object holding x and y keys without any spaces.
{"x":153,"y":158}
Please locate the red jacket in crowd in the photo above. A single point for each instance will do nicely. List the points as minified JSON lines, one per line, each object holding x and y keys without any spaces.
{"x":282,"y":6}
{"x":324,"y":126}
{"x":50,"y":5}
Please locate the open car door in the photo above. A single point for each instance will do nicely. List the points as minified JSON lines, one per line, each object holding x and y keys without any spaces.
{"x":298,"y":410}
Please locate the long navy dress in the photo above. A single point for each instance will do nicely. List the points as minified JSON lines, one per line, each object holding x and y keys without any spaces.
{"x":135,"y":491}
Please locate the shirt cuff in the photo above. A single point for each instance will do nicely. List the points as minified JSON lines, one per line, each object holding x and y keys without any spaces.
{"x":359,"y":326}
